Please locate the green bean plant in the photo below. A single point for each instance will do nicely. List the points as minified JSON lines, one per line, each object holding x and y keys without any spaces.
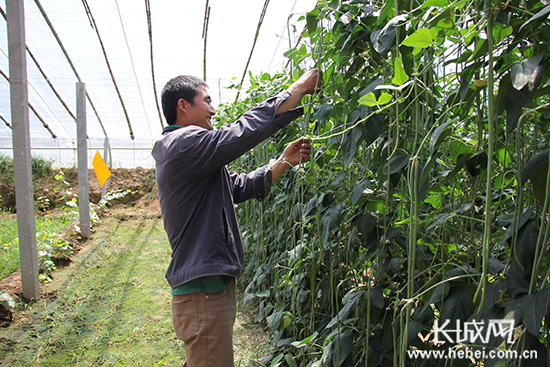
{"x":426,"y":198}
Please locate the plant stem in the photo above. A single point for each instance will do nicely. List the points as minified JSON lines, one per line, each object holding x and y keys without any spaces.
{"x":487,"y":233}
{"x":544,"y":233}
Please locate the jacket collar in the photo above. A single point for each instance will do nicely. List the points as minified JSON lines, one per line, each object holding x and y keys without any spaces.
{"x":170,"y":128}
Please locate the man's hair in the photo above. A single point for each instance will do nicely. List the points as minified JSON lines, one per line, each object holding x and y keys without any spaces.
{"x":183,"y":86}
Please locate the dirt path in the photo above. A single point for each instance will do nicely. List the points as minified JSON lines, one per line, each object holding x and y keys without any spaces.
{"x":111,"y":307}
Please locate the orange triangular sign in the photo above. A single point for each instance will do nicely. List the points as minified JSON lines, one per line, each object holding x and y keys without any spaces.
{"x":101,"y":170}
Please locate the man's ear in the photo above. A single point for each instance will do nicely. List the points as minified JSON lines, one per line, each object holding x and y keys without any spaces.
{"x":182,"y":103}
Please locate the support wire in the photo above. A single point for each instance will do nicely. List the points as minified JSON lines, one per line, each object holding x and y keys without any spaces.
{"x":43,"y":74}
{"x":150,"y":28}
{"x":94,"y":26}
{"x":260,"y":21}
{"x":6,"y":122}
{"x":34,"y":110}
{"x":204,"y":35}
{"x":47,"y":19}
{"x":43,"y":100}
{"x":134,"y":69}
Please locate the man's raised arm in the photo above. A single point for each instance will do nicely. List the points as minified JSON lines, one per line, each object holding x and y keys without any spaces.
{"x":306,"y":84}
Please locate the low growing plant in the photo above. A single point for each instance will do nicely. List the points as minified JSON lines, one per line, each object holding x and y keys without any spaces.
{"x":52,"y":248}
{"x":40,"y":166}
{"x":7,"y":300}
{"x":112,"y":196}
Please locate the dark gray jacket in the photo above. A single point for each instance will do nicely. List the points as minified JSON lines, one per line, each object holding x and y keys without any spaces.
{"x":197,"y":193}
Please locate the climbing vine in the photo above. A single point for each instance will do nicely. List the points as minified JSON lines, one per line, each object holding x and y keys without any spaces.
{"x":426,"y":198}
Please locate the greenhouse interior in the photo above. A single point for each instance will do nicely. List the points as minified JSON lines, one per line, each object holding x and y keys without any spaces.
{"x":300,"y":183}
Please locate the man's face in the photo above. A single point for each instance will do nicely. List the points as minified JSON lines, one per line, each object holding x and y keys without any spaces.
{"x":200,"y":113}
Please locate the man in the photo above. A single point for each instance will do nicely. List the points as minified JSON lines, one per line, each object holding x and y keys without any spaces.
{"x":197,"y":194}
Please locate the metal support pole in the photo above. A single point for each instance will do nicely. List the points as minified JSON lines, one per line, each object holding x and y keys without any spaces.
{"x":107,"y":158}
{"x":83,"y":186}
{"x":22,"y":150}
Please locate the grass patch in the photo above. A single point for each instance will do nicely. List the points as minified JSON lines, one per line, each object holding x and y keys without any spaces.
{"x":46,"y":228}
{"x":114,"y":307}
{"x":9,"y":250}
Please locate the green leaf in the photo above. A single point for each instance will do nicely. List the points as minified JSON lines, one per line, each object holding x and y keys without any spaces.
{"x":373,"y":128}
{"x":289,"y":358}
{"x":519,"y":275}
{"x":350,"y":143}
{"x":438,"y":3}
{"x":377,"y":297}
{"x":494,"y":292}
{"x":441,"y":133}
{"x":358,"y":190}
{"x":535,"y":306}
{"x":500,"y":32}
{"x":274,"y":320}
{"x":446,"y":23}
{"x":440,"y":293}
{"x":505,"y":155}
{"x":342,"y":344}
{"x":540,"y":15}
{"x":523,"y":73}
{"x":459,"y":4}
{"x":477,"y":163}
{"x":456,"y":148}
{"x":422,"y":38}
{"x":457,"y":305}
{"x":366,"y":223}
{"x":351,"y":301}
{"x":277,"y":361}
{"x":286,"y":320}
{"x":536,"y":171}
{"x":382,"y":39}
{"x":384,"y":98}
{"x":480,"y":49}
{"x":306,"y":341}
{"x":331,"y":219}
{"x":414,"y":328}
{"x":321,"y":112}
{"x":368,"y":99}
{"x":334,"y":4}
{"x":312,"y":18}
{"x":469,"y":34}
{"x":400,"y":76}
{"x":396,"y":163}
{"x":434,"y":200}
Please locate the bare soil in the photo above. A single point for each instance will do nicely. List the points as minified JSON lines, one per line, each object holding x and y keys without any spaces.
{"x":63,"y":184}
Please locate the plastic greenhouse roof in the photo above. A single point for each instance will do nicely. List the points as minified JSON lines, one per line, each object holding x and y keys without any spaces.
{"x":177,"y":28}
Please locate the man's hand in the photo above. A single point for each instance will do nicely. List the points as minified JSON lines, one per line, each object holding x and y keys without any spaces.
{"x":308,"y":83}
{"x":294,"y":153}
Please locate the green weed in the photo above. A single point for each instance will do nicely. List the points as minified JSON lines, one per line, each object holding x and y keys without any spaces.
{"x":40,"y":167}
{"x":51,"y":247}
